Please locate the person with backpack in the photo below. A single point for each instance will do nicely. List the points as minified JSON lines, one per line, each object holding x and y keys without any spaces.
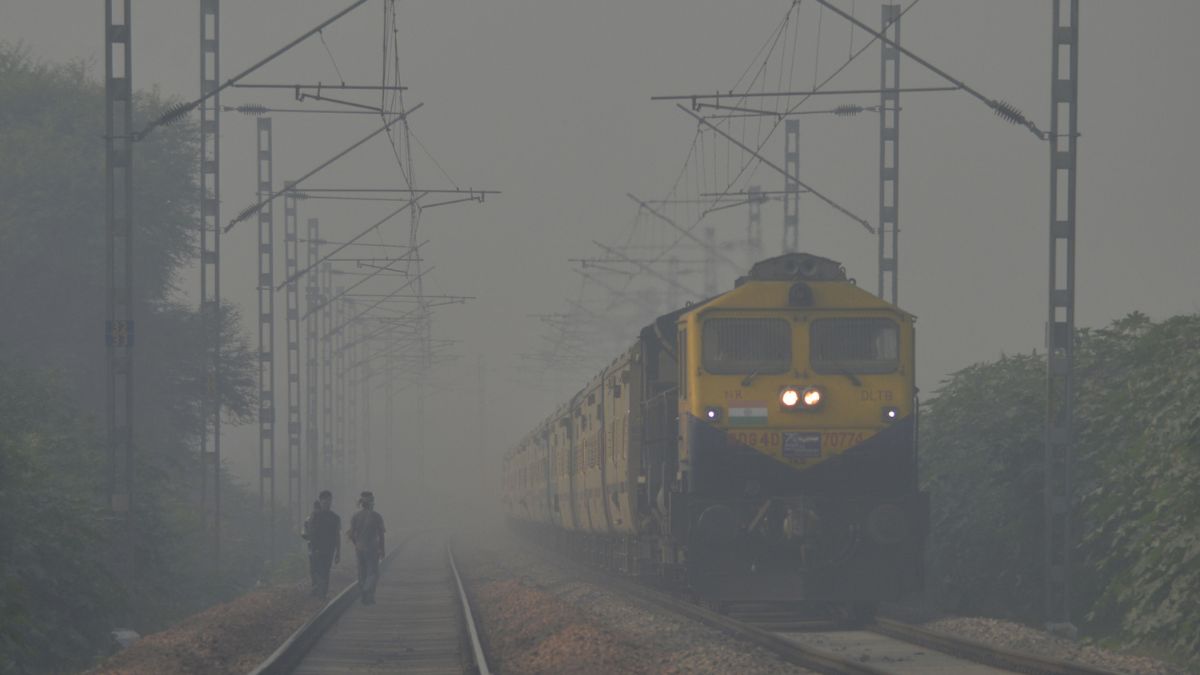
{"x":324,"y":546}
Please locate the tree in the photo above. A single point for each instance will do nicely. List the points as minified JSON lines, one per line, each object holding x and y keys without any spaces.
{"x":57,"y":600}
{"x":1137,"y":524}
{"x":55,"y":595}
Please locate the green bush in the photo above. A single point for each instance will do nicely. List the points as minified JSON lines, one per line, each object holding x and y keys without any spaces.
{"x":58,"y":598}
{"x":1137,"y":509}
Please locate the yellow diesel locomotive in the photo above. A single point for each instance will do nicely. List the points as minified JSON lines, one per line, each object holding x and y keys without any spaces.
{"x":757,"y":446}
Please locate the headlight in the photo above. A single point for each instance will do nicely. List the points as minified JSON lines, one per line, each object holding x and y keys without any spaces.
{"x":789,"y":397}
{"x":890,"y":414}
{"x":712,"y":413}
{"x":795,"y":398}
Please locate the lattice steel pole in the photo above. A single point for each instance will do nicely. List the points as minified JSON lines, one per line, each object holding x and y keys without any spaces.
{"x":754,"y":247}
{"x":210,"y":270}
{"x":673,"y":276}
{"x":339,"y":404}
{"x":351,"y":361}
{"x":791,"y":186}
{"x":1060,"y":338}
{"x":266,"y":334}
{"x":710,"y":262}
{"x":889,"y":154}
{"x":327,"y":375}
{"x":312,"y":346}
{"x":291,"y":258}
{"x":389,"y":414}
{"x":119,"y":327}
{"x":365,"y":414}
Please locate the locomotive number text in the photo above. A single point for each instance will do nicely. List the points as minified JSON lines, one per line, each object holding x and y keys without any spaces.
{"x":837,"y":440}
{"x":757,"y":439}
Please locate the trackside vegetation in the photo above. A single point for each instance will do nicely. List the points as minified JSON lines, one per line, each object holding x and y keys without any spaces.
{"x":59,"y":595}
{"x":1137,"y":527}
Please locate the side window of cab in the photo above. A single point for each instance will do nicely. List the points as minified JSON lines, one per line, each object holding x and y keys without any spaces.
{"x":683,"y":364}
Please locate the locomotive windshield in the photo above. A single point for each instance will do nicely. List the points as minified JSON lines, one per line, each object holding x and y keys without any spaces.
{"x":858,"y":345}
{"x":740,"y":346}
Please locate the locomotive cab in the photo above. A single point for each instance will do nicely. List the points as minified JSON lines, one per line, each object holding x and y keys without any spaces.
{"x":758,"y":446}
{"x":797,"y":458}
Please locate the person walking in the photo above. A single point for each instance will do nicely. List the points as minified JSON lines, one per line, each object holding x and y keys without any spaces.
{"x":324,"y":546}
{"x":367,"y":533}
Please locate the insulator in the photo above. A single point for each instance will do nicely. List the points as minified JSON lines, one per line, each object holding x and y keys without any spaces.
{"x":297,"y":195}
{"x":847,"y":110}
{"x":254,"y":109}
{"x":176,"y":112}
{"x":1009,"y":112}
{"x":247,"y":212}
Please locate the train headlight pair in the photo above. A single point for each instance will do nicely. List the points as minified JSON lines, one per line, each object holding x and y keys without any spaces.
{"x":796,"y":398}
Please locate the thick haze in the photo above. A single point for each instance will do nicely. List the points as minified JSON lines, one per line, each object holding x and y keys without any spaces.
{"x":549,"y":101}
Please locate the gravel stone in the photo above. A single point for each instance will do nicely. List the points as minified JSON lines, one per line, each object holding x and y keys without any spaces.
{"x":1021,"y":638}
{"x":538,"y":618}
{"x":229,"y":638}
{"x":533,"y":611}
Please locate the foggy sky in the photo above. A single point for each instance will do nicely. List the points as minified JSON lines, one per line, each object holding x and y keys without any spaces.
{"x":549,"y":101}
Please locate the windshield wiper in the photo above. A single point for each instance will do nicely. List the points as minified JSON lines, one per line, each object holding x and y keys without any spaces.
{"x":853,"y":378}
{"x":750,"y":378}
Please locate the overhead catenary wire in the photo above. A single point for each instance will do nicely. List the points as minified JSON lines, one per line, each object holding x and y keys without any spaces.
{"x":817,"y":58}
{"x":697,"y":168}
{"x":176,"y":112}
{"x":796,"y":106}
{"x":255,"y":208}
{"x":819,"y":195}
{"x":321,"y":35}
{"x":1003,"y":109}
{"x":351,"y":242}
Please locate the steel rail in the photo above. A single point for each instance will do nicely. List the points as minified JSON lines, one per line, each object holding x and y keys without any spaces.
{"x":798,"y":654}
{"x":981,"y":652}
{"x":826,"y":661}
{"x":293,"y":650}
{"x":481,"y":665}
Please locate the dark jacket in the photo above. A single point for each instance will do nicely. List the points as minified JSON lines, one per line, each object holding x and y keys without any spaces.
{"x":323,"y":530}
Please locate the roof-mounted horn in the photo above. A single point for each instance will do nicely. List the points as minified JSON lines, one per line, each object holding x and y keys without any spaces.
{"x":797,"y":267}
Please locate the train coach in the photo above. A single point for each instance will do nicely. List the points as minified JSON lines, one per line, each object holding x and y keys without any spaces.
{"x":757,"y":446}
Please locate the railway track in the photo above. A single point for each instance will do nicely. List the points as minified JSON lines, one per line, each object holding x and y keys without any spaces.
{"x":885,"y":647}
{"x":421,"y":622}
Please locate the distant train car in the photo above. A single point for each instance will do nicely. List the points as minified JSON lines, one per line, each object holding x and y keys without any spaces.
{"x":760,"y":445}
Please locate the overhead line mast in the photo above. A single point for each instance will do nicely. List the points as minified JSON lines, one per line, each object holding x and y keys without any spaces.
{"x":1060,"y":324}
{"x":791,"y":186}
{"x":119,"y":328}
{"x":312,"y":350}
{"x":1060,"y":339}
{"x":266,"y":334}
{"x":350,"y":347}
{"x":754,"y":248}
{"x":291,"y":259}
{"x":889,"y":153}
{"x":327,"y":417}
{"x":210,"y":269}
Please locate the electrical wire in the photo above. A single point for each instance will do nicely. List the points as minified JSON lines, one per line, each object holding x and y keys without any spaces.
{"x":817,"y":57}
{"x":321,"y":35}
{"x":851,"y":50}
{"x":746,"y":166}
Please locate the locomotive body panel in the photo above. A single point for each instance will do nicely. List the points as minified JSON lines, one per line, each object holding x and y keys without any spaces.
{"x":759,"y":445}
{"x":622,"y":451}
